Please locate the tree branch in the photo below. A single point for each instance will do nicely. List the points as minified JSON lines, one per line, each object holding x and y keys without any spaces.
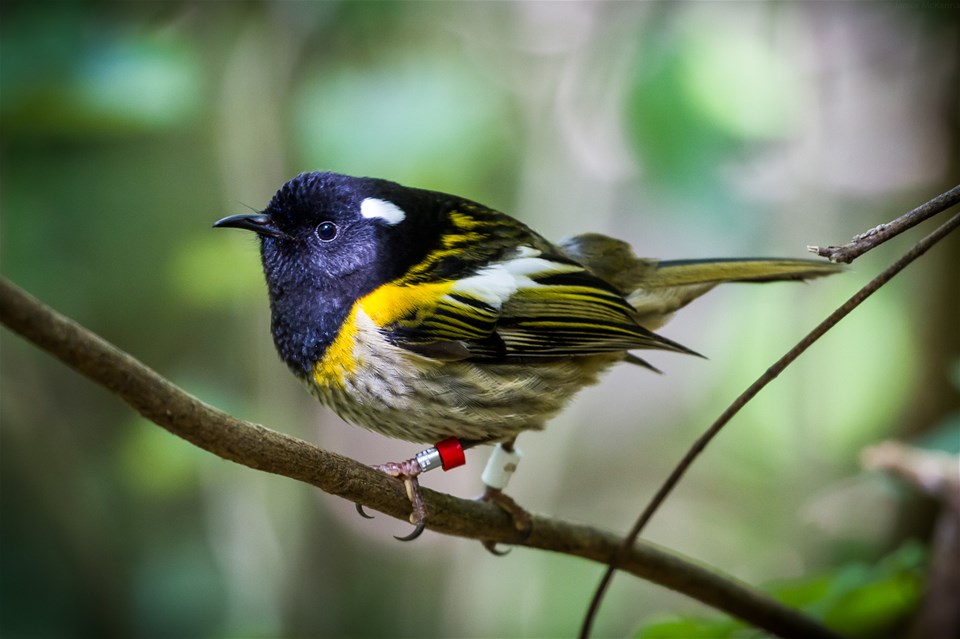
{"x":876,"y":236}
{"x":253,"y":445}
{"x":768,"y":376}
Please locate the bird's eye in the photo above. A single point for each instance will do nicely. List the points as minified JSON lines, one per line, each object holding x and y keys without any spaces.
{"x":326,"y":231}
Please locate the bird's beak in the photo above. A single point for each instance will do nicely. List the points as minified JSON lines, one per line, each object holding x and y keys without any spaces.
{"x":259,"y":223}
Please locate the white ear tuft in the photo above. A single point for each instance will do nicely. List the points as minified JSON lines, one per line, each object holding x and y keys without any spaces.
{"x":386,"y":211}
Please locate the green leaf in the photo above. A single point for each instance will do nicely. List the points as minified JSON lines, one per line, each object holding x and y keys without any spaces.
{"x":684,"y":628}
{"x":855,"y":599}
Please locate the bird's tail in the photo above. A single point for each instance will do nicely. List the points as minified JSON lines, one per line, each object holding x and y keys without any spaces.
{"x":659,"y":288}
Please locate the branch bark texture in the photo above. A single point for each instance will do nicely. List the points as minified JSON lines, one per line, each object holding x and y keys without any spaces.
{"x":256,"y":446}
{"x":868,"y":240}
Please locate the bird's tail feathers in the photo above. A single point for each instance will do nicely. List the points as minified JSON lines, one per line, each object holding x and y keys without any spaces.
{"x":656,"y":289}
{"x":675,"y":283}
{"x":754,"y":269}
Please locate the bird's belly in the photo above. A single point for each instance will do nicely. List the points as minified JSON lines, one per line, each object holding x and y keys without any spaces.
{"x":401,"y":394}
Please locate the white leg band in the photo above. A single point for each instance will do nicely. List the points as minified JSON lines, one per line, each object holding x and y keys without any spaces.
{"x":500,"y":467}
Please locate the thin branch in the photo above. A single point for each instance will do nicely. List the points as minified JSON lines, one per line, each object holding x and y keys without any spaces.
{"x":876,"y":236}
{"x":936,"y":474}
{"x":771,"y":373}
{"x":932,"y":472}
{"x":253,"y":445}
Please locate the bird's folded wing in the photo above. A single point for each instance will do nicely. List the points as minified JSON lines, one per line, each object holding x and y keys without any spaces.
{"x":527,"y":305}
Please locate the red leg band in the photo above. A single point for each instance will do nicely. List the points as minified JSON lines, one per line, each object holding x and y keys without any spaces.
{"x":451,"y":453}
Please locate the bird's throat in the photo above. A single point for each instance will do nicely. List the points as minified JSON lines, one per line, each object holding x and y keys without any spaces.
{"x":305,"y":324}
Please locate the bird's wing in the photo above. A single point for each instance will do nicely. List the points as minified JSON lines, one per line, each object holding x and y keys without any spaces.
{"x":559,"y":308}
{"x":528,"y":303}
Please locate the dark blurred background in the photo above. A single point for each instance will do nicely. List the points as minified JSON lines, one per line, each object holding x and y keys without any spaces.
{"x":690,"y":130}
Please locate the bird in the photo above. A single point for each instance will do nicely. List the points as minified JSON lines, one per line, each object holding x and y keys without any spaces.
{"x":429,"y":317}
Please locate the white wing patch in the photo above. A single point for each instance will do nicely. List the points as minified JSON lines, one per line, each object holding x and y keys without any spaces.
{"x":386,"y":211}
{"x":526,"y":266}
{"x":492,"y":285}
{"x":526,"y":251}
{"x":525,"y":269}
{"x":496,"y":283}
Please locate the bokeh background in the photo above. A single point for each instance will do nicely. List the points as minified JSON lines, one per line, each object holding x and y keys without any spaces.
{"x":690,"y":130}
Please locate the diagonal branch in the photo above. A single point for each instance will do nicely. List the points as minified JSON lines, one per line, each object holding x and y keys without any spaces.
{"x":930,"y":208}
{"x":876,"y":236}
{"x":253,"y":445}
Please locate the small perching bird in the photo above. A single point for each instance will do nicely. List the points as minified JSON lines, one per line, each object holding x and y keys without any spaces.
{"x":430,"y":318}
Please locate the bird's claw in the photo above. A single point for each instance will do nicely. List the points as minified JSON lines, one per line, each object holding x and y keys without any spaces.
{"x":491,"y":547}
{"x":418,"y":529}
{"x":522,"y":520}
{"x":413,"y":535}
{"x":362,"y":512}
{"x":406,"y":471}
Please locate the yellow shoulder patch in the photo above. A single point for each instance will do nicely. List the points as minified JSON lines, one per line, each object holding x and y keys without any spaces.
{"x":392,"y":302}
{"x":338,"y":361}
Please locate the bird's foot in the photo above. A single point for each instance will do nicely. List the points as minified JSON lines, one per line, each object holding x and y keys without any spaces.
{"x":500,"y":468}
{"x":446,"y":454}
{"x":522,"y":520}
{"x":408,"y":471}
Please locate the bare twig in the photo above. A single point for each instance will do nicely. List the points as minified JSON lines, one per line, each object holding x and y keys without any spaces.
{"x":771,"y":373}
{"x":932,"y":472}
{"x":937,"y":474}
{"x":880,"y":234}
{"x":162,"y":402}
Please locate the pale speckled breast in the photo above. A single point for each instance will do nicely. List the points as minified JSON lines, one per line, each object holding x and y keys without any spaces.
{"x":408,"y":396}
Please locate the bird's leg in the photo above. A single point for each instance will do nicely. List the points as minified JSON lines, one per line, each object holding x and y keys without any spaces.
{"x":408,"y":471}
{"x":446,"y":454}
{"x":500,"y":468}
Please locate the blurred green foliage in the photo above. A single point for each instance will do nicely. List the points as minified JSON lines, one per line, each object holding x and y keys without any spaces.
{"x":856,"y":600}
{"x":418,"y":104}
{"x":127,"y":128}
